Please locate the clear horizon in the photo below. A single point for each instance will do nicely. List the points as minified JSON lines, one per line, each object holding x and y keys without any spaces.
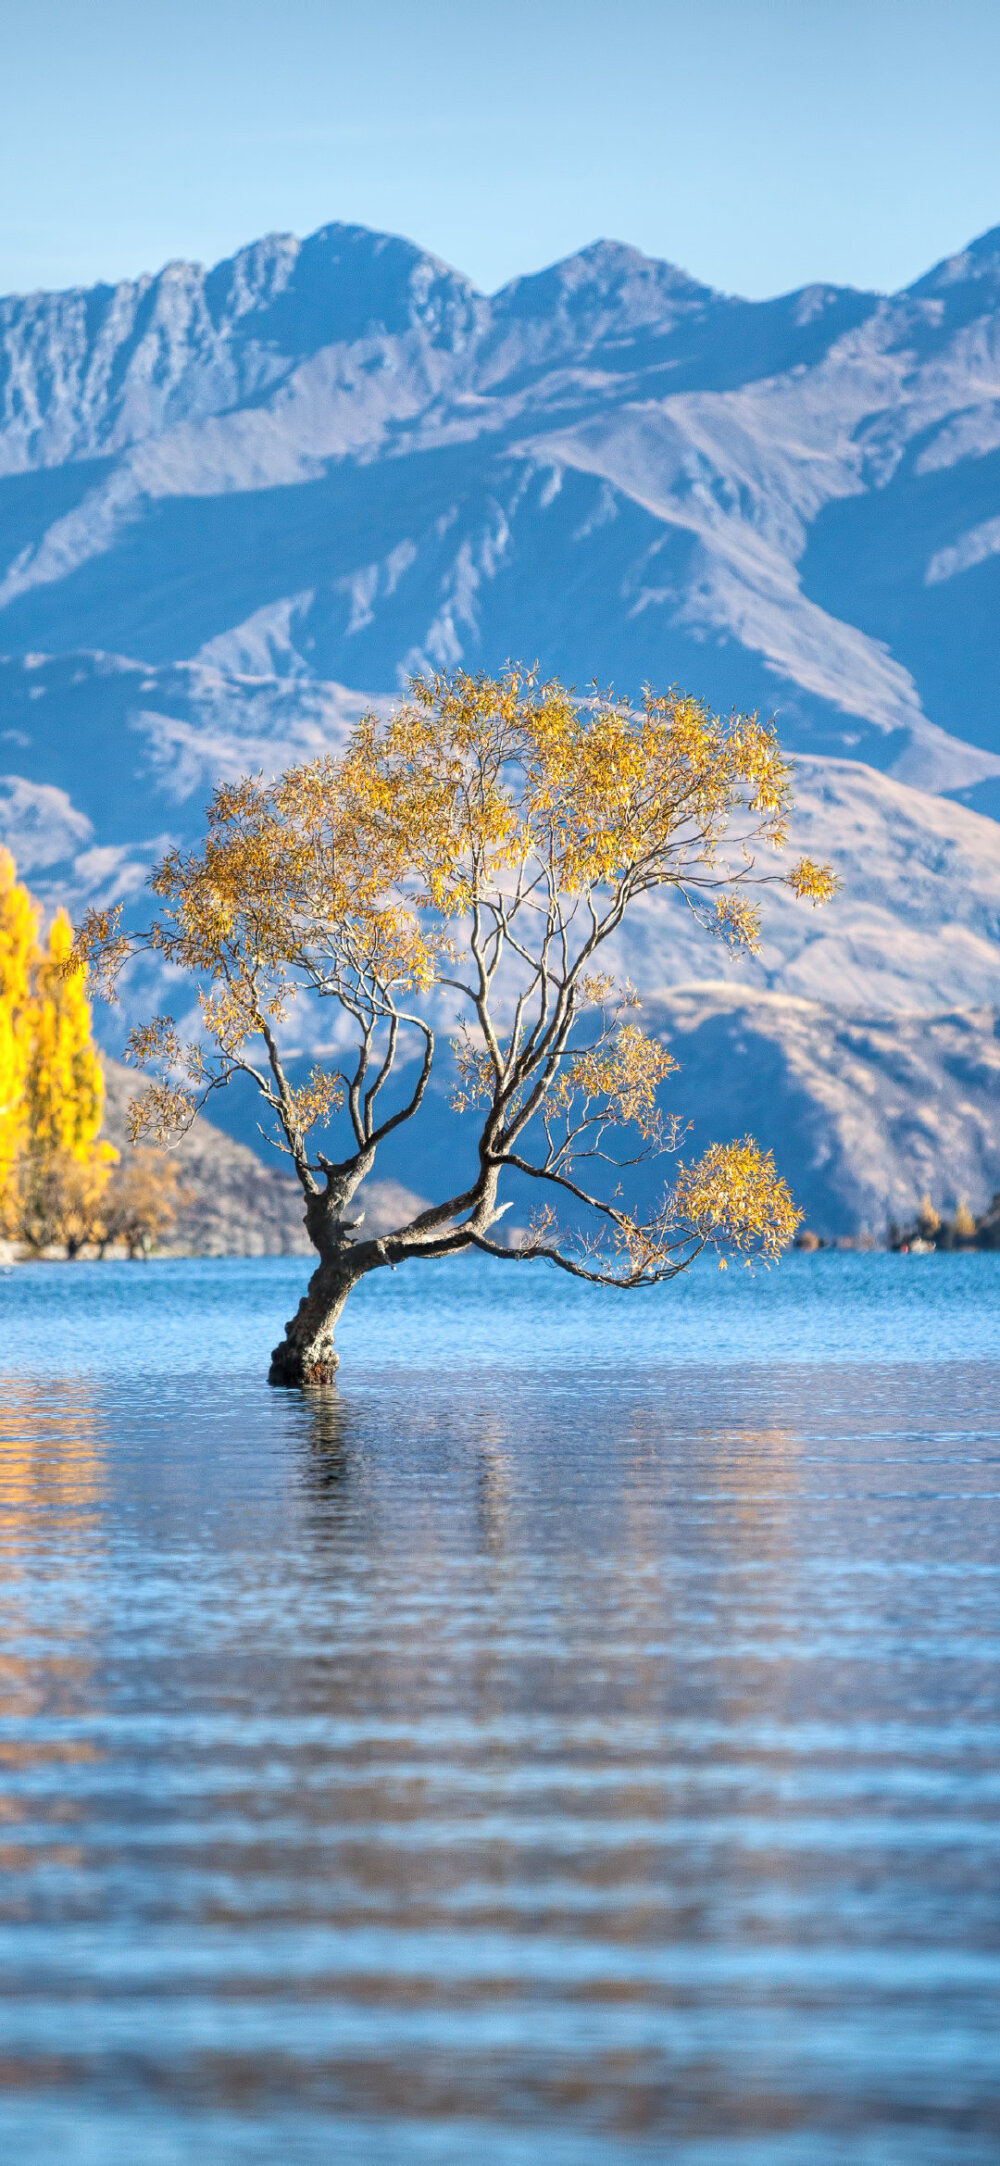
{"x":762,"y":147}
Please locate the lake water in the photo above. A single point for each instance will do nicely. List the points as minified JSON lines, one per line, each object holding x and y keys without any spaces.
{"x":575,"y":1740}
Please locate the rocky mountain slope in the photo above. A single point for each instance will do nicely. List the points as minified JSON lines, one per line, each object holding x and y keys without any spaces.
{"x":230,"y":498}
{"x":234,"y":1204}
{"x":862,"y":1116}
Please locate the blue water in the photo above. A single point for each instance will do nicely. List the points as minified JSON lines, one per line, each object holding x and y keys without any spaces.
{"x":576,"y":1739}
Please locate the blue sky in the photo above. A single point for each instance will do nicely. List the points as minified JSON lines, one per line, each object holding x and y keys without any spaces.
{"x":760,"y":143}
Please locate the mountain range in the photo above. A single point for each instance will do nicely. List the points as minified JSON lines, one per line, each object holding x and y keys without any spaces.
{"x":238,"y":505}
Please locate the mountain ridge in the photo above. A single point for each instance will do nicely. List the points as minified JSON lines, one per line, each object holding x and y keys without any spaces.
{"x":624,"y":446}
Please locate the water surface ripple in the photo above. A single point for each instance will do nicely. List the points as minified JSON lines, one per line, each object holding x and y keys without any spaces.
{"x":576,"y":1739}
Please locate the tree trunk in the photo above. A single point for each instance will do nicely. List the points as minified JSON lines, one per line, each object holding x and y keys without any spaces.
{"x":306,"y":1354}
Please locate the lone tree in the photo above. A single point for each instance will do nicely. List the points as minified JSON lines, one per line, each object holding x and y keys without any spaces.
{"x":461,"y":866}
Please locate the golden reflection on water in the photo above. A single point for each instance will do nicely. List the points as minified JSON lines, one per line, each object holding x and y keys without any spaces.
{"x":52,"y":1456}
{"x":52,"y":1496}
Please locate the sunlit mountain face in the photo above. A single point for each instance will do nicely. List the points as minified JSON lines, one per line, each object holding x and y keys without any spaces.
{"x":237,"y":504}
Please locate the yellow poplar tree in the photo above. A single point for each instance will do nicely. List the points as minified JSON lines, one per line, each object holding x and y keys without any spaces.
{"x":18,"y":933}
{"x":52,"y":1166}
{"x":65,"y":1083}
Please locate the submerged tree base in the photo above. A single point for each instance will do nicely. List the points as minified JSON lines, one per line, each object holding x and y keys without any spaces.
{"x":291,"y":1368}
{"x":306,"y":1354}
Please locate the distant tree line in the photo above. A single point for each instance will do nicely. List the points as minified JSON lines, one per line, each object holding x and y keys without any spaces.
{"x":61,"y":1186}
{"x":962,"y":1230}
{"x":927,"y":1230}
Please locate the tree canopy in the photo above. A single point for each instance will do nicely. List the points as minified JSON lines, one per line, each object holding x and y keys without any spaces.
{"x":459,"y":868}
